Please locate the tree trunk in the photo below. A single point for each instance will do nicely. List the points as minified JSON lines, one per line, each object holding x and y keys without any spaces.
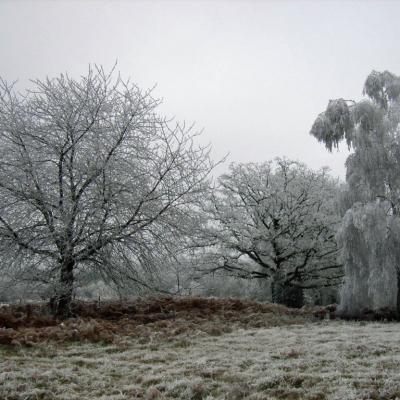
{"x":290,"y":296}
{"x":398,"y":294}
{"x":62,"y":302}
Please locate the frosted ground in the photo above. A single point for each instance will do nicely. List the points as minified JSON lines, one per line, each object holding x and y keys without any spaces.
{"x":321,"y":360}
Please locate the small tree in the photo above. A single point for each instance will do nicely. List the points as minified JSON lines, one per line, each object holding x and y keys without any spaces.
{"x":91,"y":178}
{"x":276,"y":221}
{"x":369,"y":231}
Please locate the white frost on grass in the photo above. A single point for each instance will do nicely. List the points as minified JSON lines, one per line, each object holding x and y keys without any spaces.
{"x":315,"y":361}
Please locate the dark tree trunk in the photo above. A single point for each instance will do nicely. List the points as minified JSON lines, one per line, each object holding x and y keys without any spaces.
{"x":62,"y":302}
{"x":290,"y":296}
{"x":398,"y":294}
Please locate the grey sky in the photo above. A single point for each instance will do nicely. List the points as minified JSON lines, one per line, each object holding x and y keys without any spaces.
{"x":253,"y":74}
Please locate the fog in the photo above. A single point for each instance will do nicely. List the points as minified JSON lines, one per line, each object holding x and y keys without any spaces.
{"x":253,"y":75}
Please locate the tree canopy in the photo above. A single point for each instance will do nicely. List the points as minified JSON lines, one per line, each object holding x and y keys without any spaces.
{"x":91,"y":177}
{"x":369,"y":229}
{"x":276,"y":221}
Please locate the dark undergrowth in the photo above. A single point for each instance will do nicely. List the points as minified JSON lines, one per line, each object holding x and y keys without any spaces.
{"x":105,"y":322}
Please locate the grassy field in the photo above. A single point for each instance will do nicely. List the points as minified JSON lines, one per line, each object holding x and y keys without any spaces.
{"x":306,"y":360}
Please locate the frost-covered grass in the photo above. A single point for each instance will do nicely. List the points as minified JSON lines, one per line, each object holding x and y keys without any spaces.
{"x":325,"y":360}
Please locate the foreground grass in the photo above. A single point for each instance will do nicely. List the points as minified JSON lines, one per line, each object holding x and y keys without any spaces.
{"x":323,"y":360}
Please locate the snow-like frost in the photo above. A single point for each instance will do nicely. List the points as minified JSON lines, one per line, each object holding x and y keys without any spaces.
{"x":330,"y":360}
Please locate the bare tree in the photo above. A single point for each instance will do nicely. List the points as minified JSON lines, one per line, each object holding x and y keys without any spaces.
{"x":91,"y":179}
{"x":276,"y":221}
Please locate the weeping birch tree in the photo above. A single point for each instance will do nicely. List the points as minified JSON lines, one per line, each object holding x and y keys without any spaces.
{"x":92,"y":179}
{"x":369,"y":232}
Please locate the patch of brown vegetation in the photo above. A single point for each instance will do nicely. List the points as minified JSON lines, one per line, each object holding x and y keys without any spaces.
{"x":162,"y":316}
{"x":381,"y":314}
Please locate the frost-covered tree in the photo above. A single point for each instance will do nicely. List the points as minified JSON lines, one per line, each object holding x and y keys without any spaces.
{"x":369,"y":231}
{"x":370,"y":265}
{"x":92,"y":179}
{"x":276,"y":221}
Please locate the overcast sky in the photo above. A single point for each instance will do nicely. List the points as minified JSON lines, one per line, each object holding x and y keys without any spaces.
{"x":252,"y":74}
